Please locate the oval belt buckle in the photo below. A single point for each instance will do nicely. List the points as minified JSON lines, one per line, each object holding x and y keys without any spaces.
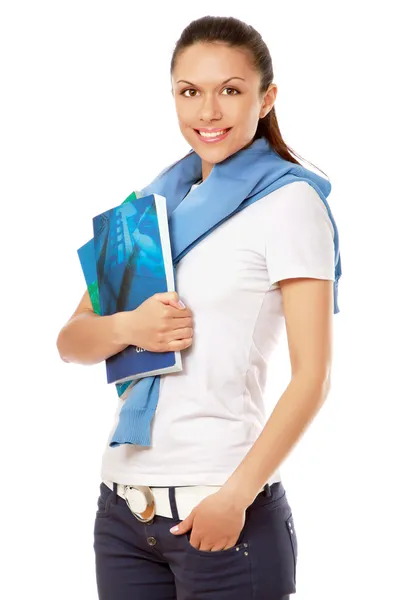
{"x":149,"y":512}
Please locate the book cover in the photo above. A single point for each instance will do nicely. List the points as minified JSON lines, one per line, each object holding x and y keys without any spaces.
{"x":88,"y":263}
{"x":87,"y":259}
{"x":133,"y":262}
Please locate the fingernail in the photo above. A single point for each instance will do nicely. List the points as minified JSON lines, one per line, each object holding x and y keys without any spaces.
{"x":174,"y":529}
{"x":181,"y":304}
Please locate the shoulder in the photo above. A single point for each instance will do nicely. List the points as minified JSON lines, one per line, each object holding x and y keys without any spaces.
{"x":296,"y":192}
{"x":297,"y":204}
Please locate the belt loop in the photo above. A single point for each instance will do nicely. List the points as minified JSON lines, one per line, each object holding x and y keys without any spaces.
{"x":115,"y":488}
{"x":172,"y":501}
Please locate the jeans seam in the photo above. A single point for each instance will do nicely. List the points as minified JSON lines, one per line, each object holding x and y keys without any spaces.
{"x":292,"y":545}
{"x":251,"y":570}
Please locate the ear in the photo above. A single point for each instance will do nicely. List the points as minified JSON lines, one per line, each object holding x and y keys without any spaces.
{"x":268,"y":100}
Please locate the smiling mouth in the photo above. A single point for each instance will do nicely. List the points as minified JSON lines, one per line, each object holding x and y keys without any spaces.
{"x":213,"y":135}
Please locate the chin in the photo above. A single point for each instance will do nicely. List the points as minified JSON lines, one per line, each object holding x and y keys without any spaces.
{"x":210,"y":153}
{"x":213,"y":156}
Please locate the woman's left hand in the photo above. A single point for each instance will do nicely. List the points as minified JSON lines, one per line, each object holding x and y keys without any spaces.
{"x":216,"y":523}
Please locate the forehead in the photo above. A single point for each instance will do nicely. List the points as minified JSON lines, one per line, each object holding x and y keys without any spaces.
{"x":202,"y":63}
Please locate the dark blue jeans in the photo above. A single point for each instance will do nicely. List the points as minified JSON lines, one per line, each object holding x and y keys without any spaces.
{"x":136,"y":561}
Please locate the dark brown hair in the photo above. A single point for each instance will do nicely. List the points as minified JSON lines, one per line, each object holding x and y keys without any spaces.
{"x":237,"y":34}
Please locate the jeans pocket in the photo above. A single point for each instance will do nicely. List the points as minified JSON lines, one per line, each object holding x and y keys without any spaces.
{"x":236,"y":548}
{"x":103,"y":501}
{"x":225,"y":574}
{"x":293,"y":541}
{"x":240,"y":545}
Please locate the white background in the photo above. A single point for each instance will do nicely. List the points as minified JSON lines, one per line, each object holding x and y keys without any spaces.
{"x":86,"y":117}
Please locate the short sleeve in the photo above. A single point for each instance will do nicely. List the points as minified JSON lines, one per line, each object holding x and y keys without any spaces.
{"x":299,"y":235}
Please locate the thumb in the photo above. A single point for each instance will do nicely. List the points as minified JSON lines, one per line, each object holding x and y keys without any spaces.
{"x":183,"y":526}
{"x":171,"y":298}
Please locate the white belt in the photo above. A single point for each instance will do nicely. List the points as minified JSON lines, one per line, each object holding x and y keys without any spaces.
{"x":146,"y":502}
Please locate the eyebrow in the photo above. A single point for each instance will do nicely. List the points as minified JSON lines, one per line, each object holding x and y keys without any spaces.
{"x":226,"y":80}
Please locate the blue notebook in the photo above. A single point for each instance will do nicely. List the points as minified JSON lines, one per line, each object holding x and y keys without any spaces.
{"x":130,"y":255}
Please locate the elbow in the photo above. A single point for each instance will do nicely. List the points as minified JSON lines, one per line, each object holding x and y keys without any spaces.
{"x":61,"y":347}
{"x":318,"y":382}
{"x":325,"y":388}
{"x":325,"y":382}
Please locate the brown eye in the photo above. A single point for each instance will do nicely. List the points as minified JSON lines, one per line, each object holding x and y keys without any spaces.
{"x":232,"y":90}
{"x":188,"y":90}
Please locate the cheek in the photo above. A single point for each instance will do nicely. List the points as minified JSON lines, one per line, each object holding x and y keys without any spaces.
{"x":185,"y":129}
{"x":247,"y":114}
{"x":184,"y":114}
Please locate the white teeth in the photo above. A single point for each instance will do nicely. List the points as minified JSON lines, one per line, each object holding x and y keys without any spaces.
{"x":214,"y":134}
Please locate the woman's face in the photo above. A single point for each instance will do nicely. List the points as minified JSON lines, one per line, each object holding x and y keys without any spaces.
{"x":216,"y":89}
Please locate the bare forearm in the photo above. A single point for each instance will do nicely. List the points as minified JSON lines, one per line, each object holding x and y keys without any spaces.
{"x":89,"y":338}
{"x":293,"y":413}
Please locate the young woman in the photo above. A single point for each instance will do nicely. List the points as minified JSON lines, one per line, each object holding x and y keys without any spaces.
{"x":202,"y":513}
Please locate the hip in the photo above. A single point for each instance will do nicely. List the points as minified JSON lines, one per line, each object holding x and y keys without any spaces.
{"x":262,"y":563}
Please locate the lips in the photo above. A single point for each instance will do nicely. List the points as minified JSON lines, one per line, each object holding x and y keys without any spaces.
{"x":212,"y":138}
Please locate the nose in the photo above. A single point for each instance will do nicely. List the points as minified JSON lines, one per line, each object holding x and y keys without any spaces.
{"x":210,"y":109}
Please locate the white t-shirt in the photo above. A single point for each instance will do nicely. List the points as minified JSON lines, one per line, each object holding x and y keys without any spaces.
{"x":210,"y":414}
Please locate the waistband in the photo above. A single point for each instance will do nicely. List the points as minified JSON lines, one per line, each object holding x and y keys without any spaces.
{"x":171,"y":502}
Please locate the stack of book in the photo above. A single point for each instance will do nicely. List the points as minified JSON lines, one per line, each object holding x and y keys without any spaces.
{"x":127,"y":261}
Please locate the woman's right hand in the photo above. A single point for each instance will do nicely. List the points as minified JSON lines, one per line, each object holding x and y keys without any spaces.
{"x":159,"y":324}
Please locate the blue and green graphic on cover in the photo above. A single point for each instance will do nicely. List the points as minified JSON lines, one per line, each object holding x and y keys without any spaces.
{"x":127,"y":261}
{"x":87,"y":259}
